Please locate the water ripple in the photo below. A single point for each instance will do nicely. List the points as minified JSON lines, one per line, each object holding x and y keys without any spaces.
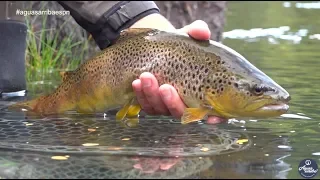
{"x":272,"y":34}
{"x":313,"y":5}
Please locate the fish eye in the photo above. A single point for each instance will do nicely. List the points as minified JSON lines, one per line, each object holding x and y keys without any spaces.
{"x":258,"y":90}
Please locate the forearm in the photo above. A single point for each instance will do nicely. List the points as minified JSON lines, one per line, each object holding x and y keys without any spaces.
{"x":104,"y":20}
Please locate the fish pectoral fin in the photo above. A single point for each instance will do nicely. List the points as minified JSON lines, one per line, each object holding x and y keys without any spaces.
{"x":130,"y":109}
{"x":134,"y":110}
{"x":121,"y":114}
{"x":193,"y":114}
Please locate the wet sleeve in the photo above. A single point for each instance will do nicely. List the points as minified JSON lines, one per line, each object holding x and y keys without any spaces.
{"x":104,"y":20}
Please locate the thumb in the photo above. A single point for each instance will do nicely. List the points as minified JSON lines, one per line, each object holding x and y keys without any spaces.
{"x":197,"y":29}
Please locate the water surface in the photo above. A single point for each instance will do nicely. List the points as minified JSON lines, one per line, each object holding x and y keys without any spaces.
{"x":280,"y":38}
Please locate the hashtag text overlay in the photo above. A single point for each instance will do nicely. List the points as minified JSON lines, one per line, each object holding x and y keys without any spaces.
{"x":43,"y":12}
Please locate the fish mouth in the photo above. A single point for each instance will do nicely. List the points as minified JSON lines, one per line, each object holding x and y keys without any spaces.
{"x":282,"y":107}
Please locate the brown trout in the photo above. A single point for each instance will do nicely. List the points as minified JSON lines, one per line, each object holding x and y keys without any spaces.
{"x":211,"y":79}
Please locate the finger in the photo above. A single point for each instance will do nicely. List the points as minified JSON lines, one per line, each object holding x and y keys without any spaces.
{"x":137,"y":87}
{"x":215,"y":120}
{"x":198,"y":30}
{"x":150,"y":88}
{"x":172,"y":100}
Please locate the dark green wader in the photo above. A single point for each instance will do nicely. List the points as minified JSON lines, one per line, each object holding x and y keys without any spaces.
{"x":13,"y":33}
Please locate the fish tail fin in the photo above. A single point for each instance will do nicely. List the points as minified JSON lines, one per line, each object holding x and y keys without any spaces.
{"x":29,"y":105}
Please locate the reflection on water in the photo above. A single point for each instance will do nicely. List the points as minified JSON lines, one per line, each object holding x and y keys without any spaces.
{"x":280,"y":38}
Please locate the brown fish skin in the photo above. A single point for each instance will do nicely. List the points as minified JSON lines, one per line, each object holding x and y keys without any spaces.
{"x":211,"y":79}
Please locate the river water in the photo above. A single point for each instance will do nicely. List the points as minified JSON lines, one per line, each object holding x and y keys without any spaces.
{"x":280,"y":38}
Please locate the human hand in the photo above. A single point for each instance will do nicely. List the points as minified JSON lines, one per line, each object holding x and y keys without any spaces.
{"x":165,"y":100}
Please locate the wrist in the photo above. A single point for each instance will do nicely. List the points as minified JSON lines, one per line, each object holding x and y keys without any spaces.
{"x":156,"y":21}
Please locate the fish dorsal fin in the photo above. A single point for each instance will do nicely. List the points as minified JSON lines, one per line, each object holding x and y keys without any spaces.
{"x":132,"y":32}
{"x":65,"y":74}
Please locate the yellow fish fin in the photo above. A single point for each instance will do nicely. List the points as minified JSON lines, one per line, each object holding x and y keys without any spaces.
{"x":121,"y":114}
{"x":134,"y":109}
{"x":130,"y":109}
{"x":193,"y":114}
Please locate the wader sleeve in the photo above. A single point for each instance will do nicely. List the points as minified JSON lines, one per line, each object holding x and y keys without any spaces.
{"x":104,"y":20}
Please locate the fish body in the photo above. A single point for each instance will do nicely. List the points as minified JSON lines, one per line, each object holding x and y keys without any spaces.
{"x":210,"y":78}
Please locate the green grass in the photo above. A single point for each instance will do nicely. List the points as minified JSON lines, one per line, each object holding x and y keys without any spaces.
{"x":45,"y":55}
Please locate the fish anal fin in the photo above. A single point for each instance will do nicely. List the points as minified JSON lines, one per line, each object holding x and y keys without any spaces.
{"x":193,"y":114}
